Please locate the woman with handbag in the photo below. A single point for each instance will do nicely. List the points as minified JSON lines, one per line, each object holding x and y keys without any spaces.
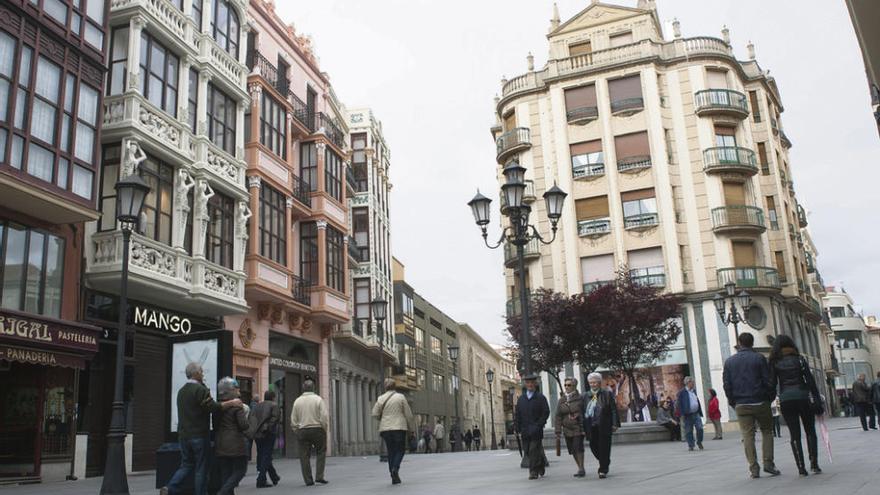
{"x":570,"y":424}
{"x":799,"y":399}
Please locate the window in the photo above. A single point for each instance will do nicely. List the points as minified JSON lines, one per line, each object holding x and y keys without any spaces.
{"x":437,"y":383}
{"x":838,"y":312}
{"x":282,"y":83}
{"x":420,"y":340}
{"x":335,"y":260}
{"x":436,"y":346}
{"x":626,"y":94}
{"x":646,"y":266}
{"x":762,"y":159}
{"x":218,"y":240}
{"x":639,"y":208}
{"x":158,"y":74}
{"x":582,"y":48}
{"x":743,"y":254}
{"x":361,"y":228}
{"x":196,"y":13}
{"x":308,"y":245}
{"x":359,"y":161}
{"x":580,"y":103}
{"x":273,"y":119}
{"x":587,"y":159}
{"x":725,"y":136}
{"x":771,"y":213}
{"x":620,"y":39}
{"x":422,"y":377}
{"x":362,"y":299}
{"x":158,"y":208}
{"x":308,"y":165}
{"x":273,"y":225}
{"x":118,"y":62}
{"x":596,"y":270}
{"x":718,"y":80}
{"x":221,"y":119}
{"x":225,"y":27}
{"x":86,"y":19}
{"x":779,"y":257}
{"x":407,"y":303}
{"x":756,"y":108}
{"x":333,"y":174}
{"x":193,"y":100}
{"x":592,"y":215}
{"x":33,"y":267}
{"x":633,"y":151}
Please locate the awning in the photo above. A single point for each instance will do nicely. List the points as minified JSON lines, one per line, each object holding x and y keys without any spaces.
{"x":35,"y":339}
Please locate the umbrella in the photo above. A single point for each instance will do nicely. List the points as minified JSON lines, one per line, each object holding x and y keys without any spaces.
{"x":826,"y":439}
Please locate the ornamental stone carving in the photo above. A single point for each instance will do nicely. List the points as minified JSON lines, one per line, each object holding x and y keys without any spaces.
{"x":246,"y":334}
{"x":156,"y":126}
{"x":263,"y":310}
{"x":277,"y":314}
{"x":152,"y":259}
{"x":182,"y":186}
{"x":221,"y":166}
{"x":294,"y":321}
{"x":132,"y":157}
{"x":254,"y":182}
{"x":203,"y":194}
{"x":220,"y":282}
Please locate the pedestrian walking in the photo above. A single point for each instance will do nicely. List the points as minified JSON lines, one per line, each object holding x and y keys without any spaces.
{"x":395,"y":420}
{"x":230,"y":441}
{"x":468,"y":439}
{"x":691,"y":412}
{"x":426,"y":438}
{"x":265,"y":418}
{"x":799,"y":399}
{"x":875,"y":395}
{"x":439,"y":435}
{"x":861,"y":394}
{"x":665,"y":419}
{"x":747,"y":385}
{"x":532,"y":412}
{"x":310,"y":421}
{"x":570,"y":423}
{"x":776,"y":411}
{"x":600,"y":421}
{"x":715,"y":414}
{"x":194,"y":408}
{"x":478,"y":437}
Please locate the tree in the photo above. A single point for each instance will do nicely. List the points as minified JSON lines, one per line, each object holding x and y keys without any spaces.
{"x":637,"y":322}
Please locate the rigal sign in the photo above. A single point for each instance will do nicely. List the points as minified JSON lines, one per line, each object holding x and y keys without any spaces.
{"x":160,"y":320}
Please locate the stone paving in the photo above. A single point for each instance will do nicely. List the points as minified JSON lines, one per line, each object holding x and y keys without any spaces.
{"x":656,"y":468}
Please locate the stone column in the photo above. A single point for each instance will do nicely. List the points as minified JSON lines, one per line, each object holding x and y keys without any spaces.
{"x":202,"y":112}
{"x":349,"y":417}
{"x":356,"y":414}
{"x":135,"y":26}
{"x":322,"y":252}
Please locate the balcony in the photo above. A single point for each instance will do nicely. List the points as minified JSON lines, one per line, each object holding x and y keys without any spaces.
{"x":514,"y":306}
{"x":802,"y":216}
{"x":652,"y":277}
{"x":641,"y":222}
{"x":165,"y":275}
{"x":261,"y":66}
{"x":749,"y":277}
{"x":591,"y":286}
{"x":627,"y":106}
{"x":588,"y":172}
{"x":528,"y":197}
{"x":723,"y":102}
{"x":594,"y":228}
{"x":300,"y":290}
{"x":331,"y":129}
{"x":582,"y":115}
{"x":730,"y":159}
{"x":531,"y":251}
{"x":122,"y":113}
{"x":511,"y":142}
{"x":738,"y":218}
{"x":784,"y":139}
{"x":301,"y":113}
{"x":633,"y":164}
{"x":301,"y":191}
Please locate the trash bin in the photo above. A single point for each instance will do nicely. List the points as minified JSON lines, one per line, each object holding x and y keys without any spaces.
{"x":167,"y":462}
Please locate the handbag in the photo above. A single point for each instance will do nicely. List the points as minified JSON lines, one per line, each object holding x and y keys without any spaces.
{"x":816,"y":405}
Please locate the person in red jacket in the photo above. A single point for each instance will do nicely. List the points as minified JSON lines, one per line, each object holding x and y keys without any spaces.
{"x":715,"y":413}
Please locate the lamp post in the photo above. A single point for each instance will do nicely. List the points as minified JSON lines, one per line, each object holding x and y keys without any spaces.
{"x":490,"y":377}
{"x":453,"y":356}
{"x":744,"y":300}
{"x":130,"y":194}
{"x":378,"y":307}
{"x":519,"y":233}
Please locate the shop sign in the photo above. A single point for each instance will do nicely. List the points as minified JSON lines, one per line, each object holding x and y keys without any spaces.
{"x":36,"y":356}
{"x":21,"y":327}
{"x":160,"y":320}
{"x":292,"y":365}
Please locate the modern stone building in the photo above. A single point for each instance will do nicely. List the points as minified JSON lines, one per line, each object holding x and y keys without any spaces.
{"x":355,"y":347}
{"x":676,"y":161}
{"x":851,"y":339}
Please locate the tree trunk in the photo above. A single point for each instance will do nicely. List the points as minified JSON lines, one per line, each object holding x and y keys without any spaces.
{"x":635,"y":397}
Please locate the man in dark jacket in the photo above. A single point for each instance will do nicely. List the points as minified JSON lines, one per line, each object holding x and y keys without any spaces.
{"x":861,"y":393}
{"x":691,"y":412}
{"x":532,"y":412}
{"x":600,"y":421}
{"x":194,"y":408}
{"x":875,"y":394}
{"x":747,"y":386}
{"x":265,"y":418}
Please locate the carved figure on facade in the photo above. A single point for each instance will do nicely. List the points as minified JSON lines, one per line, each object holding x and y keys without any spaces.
{"x":182,"y":186}
{"x":203,"y":194}
{"x":132,"y":157}
{"x":241,"y":226}
{"x":263,"y":310}
{"x":294,"y":321}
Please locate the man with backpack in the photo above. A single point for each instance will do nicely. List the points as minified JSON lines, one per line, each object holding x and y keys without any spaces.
{"x":264,"y":420}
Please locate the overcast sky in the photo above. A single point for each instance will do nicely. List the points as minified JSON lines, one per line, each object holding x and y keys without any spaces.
{"x":429,"y":70}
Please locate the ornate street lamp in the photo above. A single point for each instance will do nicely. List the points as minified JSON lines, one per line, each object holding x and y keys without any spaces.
{"x":490,"y":377}
{"x":378,"y":307}
{"x":733,"y":316}
{"x":519,"y":234}
{"x":453,"y":356}
{"x":130,"y":194}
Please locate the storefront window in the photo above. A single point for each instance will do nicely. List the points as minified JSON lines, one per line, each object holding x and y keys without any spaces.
{"x":33,"y":264}
{"x":58,"y":409}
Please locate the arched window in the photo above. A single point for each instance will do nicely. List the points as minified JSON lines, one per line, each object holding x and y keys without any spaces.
{"x":225,"y":27}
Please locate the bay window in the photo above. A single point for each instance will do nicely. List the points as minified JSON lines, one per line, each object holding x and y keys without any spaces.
{"x":158,"y":73}
{"x":273,"y":225}
{"x":221,"y":119}
{"x":33,"y":267}
{"x":273,"y":119}
{"x":218,"y":241}
{"x":308,"y":165}
{"x":225,"y":27}
{"x":333,"y":174}
{"x":308,"y":249}
{"x":335,"y":259}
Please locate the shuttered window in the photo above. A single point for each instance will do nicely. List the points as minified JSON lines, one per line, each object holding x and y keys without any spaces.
{"x":743,"y":254}
{"x":580,"y":97}
{"x":734,"y":194}
{"x":597,"y":268}
{"x":637,"y":203}
{"x":771,"y":213}
{"x":582,"y":48}
{"x":717,"y":79}
{"x":591,"y":208}
{"x":756,"y":108}
{"x":725,"y":136}
{"x":587,"y":158}
{"x":632,"y":145}
{"x":625,"y":88}
{"x":620,"y":39}
{"x":510,"y":121}
{"x":646,"y":266}
{"x":762,"y":158}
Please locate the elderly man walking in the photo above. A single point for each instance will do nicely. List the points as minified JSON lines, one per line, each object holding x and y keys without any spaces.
{"x":532,"y":412}
{"x":861,"y":393}
{"x":600,"y":421}
{"x":395,"y":420}
{"x":439,"y":435}
{"x":194,"y":408}
{"x":691,"y":412}
{"x":311,"y":421}
{"x":747,"y":385}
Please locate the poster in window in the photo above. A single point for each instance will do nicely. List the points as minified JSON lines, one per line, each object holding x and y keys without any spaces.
{"x":203,"y":352}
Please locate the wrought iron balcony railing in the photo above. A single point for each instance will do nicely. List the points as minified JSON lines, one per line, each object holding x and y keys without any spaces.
{"x":724,"y":101}
{"x":749,"y":276}
{"x":730,"y":159}
{"x":738,"y":217}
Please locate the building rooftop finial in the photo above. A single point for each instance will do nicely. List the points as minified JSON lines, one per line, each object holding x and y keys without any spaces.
{"x":531,"y":61}
{"x":725,"y":34}
{"x":676,"y":28}
{"x":751,"y":48}
{"x":554,"y":21}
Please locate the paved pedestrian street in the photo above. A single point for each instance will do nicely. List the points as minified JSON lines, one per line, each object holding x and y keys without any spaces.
{"x":635,"y":469}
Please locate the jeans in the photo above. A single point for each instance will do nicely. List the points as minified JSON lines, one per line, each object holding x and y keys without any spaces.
{"x":308,"y":438}
{"x":777,"y":426}
{"x":795,"y":413}
{"x":750,"y":417}
{"x":265,"y":446}
{"x":600,"y":446}
{"x":864,"y":409}
{"x":232,"y":470}
{"x":193,"y":458}
{"x":691,"y":422}
{"x":395,"y":443}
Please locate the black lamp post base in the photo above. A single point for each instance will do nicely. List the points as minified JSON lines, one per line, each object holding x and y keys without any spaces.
{"x":115,"y":481}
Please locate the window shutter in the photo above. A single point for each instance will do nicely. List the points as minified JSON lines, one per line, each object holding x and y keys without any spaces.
{"x":587,"y":147}
{"x":630,"y":145}
{"x":771,"y":203}
{"x":625,"y":87}
{"x":510,"y":121}
{"x":645,"y":258}
{"x":723,"y":130}
{"x":734,"y":194}
{"x":639,"y":194}
{"x":743,"y":254}
{"x":582,"y":48}
{"x":595,"y":268}
{"x":762,"y":153}
{"x":717,"y":79}
{"x":621,"y":39}
{"x":590,"y":208}
{"x":583,"y":96}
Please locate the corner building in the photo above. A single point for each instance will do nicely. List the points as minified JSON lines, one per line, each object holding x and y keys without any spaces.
{"x":677,"y":164}
{"x":174,"y":113}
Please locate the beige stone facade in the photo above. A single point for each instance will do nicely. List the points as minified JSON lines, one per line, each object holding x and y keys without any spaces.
{"x":476,"y":358}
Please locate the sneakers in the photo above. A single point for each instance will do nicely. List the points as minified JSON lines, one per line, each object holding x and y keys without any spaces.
{"x":700,"y":445}
{"x":602,"y":476}
{"x":772,"y":471}
{"x":580,"y":474}
{"x":321,"y":482}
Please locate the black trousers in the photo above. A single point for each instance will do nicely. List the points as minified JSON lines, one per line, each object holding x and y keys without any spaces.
{"x":864,"y":409}
{"x":395,"y":444}
{"x":232,"y":470}
{"x":600,"y":445}
{"x":533,"y":449}
{"x":797,"y":413}
{"x":264,"y":459}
